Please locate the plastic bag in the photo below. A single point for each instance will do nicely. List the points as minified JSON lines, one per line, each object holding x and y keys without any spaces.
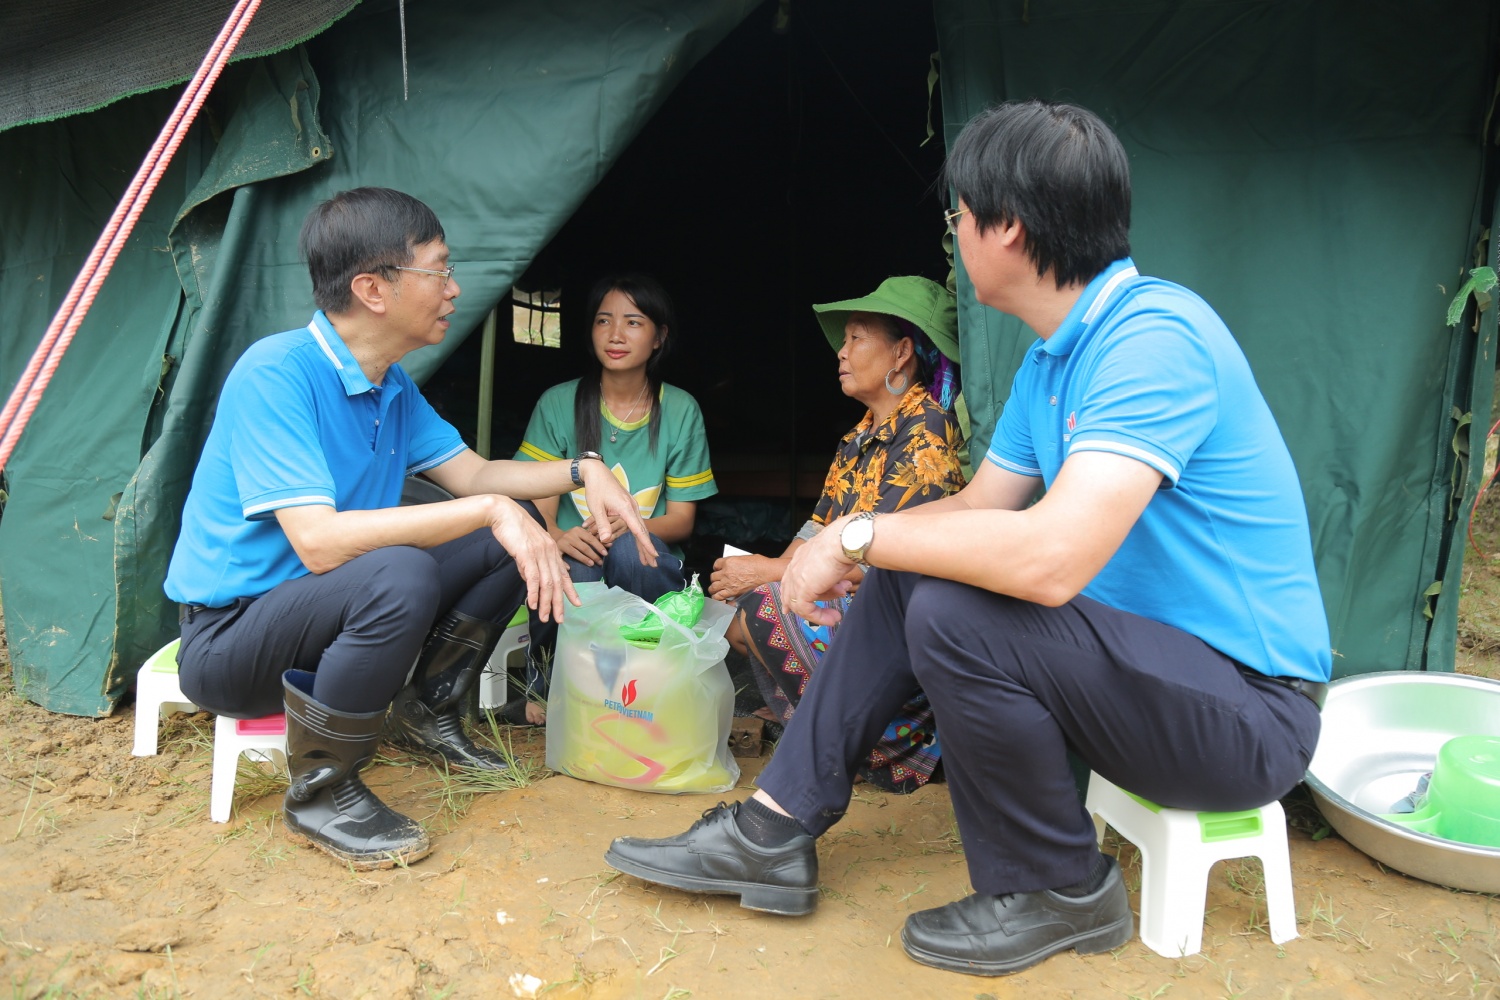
{"x":652,"y":719}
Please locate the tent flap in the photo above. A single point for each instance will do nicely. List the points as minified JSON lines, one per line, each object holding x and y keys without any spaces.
{"x":514,"y":113}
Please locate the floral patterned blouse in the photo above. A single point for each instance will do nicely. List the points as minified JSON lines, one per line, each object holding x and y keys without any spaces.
{"x":910,"y":459}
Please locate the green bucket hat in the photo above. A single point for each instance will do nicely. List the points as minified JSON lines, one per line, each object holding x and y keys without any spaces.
{"x":925,"y":303}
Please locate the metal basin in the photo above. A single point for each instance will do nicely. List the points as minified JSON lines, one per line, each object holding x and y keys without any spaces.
{"x":1381,"y":733}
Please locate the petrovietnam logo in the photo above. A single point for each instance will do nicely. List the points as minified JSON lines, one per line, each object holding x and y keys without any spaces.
{"x":628,"y":695}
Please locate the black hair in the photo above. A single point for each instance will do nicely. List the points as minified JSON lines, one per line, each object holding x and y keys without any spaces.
{"x":1059,"y":171}
{"x":363,"y":230}
{"x":893,"y":328}
{"x":652,"y":300}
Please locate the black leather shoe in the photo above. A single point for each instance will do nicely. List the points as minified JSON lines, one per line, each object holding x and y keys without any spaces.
{"x":998,"y":935}
{"x":713,"y":856}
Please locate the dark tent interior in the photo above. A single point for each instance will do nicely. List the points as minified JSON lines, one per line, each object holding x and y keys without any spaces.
{"x":788,"y":168}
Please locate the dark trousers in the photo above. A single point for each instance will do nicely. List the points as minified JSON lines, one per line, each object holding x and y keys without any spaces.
{"x":359,"y":627}
{"x":1016,"y":685}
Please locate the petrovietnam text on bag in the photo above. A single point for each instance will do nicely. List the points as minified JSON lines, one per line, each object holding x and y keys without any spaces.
{"x":655,"y":719}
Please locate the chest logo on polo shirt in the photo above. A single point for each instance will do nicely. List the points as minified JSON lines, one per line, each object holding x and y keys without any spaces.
{"x":645,"y":500}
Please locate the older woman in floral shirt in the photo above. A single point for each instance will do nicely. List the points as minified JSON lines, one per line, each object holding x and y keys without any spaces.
{"x":896,"y":351}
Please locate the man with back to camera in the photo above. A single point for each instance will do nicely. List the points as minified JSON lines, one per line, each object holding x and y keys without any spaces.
{"x":304,"y":584}
{"x":1156,"y":610}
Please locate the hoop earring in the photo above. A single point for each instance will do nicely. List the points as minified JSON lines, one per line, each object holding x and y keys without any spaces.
{"x":905,"y":383}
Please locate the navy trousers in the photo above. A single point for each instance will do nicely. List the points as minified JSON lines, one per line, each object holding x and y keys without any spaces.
{"x":1014,"y":687}
{"x":358,"y":627}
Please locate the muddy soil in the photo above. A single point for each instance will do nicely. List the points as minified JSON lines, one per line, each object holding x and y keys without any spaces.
{"x":116,"y":884}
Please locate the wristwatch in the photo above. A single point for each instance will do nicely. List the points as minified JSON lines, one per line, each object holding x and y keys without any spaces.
{"x":573,"y":469}
{"x":856,"y":536}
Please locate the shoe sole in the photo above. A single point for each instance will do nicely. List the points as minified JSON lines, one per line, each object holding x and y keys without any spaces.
{"x":434,"y":754}
{"x":1100,"y":939}
{"x":360,"y":862}
{"x":782,"y":900}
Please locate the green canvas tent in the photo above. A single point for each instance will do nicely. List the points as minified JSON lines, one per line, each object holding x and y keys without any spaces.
{"x":1318,"y":172}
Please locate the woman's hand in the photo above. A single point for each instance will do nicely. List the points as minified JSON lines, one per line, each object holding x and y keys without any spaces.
{"x":617,"y":527}
{"x":608,"y":501}
{"x":735,"y":576}
{"x":819,"y":572}
{"x":537,"y":559}
{"x":582,"y":544}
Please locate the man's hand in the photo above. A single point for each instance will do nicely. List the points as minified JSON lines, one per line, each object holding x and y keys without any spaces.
{"x":819,"y":572}
{"x":537,"y":558}
{"x":608,"y":502}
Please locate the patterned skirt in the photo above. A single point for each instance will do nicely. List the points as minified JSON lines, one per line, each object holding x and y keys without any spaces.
{"x":785,"y":650}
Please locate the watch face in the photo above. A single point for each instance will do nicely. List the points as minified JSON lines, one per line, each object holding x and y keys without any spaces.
{"x":856,"y":536}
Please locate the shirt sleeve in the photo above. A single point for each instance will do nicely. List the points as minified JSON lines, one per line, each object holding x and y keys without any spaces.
{"x":1153,"y":396}
{"x":690,"y":475}
{"x":273,"y":446}
{"x":430,"y":440}
{"x":549,"y":436}
{"x":922,"y":464}
{"x":1011,"y":446}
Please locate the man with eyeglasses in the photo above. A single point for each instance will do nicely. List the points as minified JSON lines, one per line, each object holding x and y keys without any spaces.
{"x":305,"y":586}
{"x":1156,"y":611}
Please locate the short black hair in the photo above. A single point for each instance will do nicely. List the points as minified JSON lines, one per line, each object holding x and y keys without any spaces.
{"x":368,"y":229}
{"x":656,"y":305}
{"x":1059,"y":171}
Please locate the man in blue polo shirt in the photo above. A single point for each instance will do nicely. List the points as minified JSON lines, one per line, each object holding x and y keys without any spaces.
{"x":1156,"y":611}
{"x":303,"y":583}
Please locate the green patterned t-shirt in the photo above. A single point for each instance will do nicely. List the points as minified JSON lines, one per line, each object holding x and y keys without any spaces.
{"x":677,"y":470}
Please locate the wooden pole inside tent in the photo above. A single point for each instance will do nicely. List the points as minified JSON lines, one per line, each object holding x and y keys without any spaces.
{"x":486,"y":384}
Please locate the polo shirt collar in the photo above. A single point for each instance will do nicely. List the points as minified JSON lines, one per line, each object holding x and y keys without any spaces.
{"x":338,"y":355}
{"x":1096,"y":295}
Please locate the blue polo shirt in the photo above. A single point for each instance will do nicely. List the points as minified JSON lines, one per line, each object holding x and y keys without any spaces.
{"x":1144,"y":368}
{"x":298,"y":423}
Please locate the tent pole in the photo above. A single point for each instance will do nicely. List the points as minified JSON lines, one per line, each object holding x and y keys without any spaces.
{"x":486,"y":384}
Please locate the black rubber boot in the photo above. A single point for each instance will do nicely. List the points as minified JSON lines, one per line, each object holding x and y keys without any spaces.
{"x":327,"y":805}
{"x":425,"y":715}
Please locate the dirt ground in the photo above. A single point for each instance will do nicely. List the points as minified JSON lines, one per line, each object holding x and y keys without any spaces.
{"x":116,"y":884}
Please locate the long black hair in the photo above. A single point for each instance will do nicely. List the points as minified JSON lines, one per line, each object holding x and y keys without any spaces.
{"x":652,"y":300}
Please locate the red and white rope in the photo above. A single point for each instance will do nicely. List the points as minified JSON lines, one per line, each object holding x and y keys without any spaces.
{"x":28,"y":391}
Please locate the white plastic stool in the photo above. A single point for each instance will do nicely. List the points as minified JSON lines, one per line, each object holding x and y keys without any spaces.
{"x":262,"y":739}
{"x":156,"y":695}
{"x":493,"y":682}
{"x":1178,"y":846}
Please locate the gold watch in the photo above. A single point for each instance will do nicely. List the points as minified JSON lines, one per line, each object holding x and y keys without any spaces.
{"x":856,"y":536}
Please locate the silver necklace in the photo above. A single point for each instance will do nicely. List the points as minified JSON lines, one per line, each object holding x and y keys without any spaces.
{"x":614,"y":432}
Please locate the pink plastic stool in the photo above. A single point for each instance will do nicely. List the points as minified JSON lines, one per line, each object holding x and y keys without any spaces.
{"x":261,"y":739}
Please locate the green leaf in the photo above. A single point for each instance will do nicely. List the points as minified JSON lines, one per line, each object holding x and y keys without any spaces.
{"x":1481,"y":281}
{"x":1431,"y":592}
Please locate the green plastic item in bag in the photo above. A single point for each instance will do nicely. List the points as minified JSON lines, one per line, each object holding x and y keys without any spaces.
{"x":683,"y":606}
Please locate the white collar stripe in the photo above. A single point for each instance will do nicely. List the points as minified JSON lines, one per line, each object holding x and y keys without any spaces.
{"x":1108,"y":290}
{"x":312,"y":328}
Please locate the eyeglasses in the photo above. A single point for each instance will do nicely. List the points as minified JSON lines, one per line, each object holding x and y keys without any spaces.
{"x":950,"y":218}
{"x":446,"y":273}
